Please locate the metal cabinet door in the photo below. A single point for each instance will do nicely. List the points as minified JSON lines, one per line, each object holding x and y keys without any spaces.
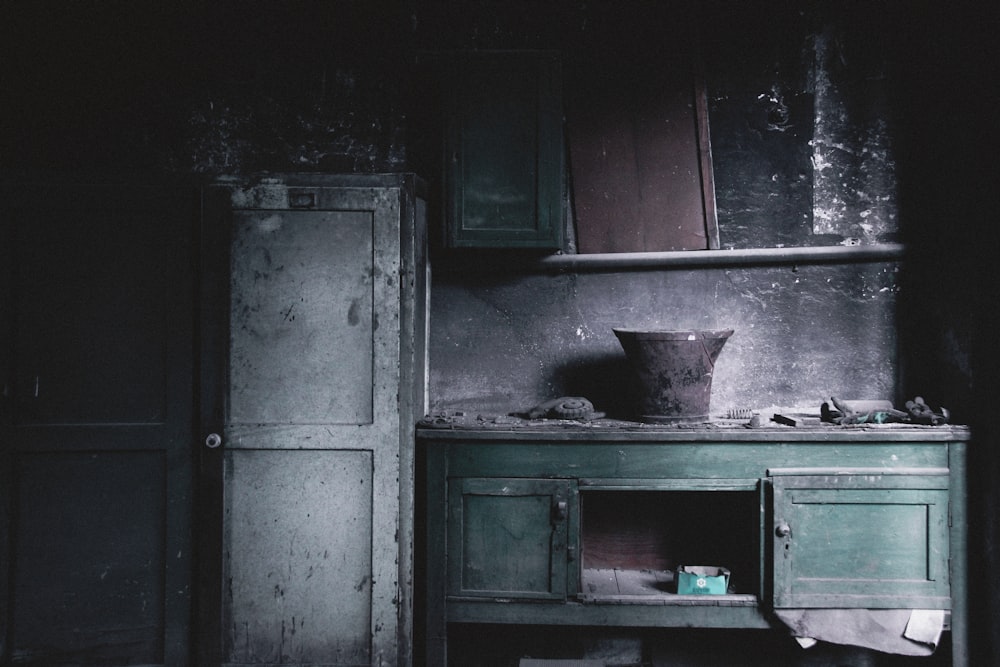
{"x":308,"y":419}
{"x":861,"y":539}
{"x":507,"y":538}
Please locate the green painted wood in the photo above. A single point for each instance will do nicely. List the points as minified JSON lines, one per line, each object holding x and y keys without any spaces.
{"x":504,"y":150}
{"x":610,"y":430}
{"x":507,"y":538}
{"x":700,"y":484}
{"x":432,"y":564}
{"x":958,"y":564}
{"x":695,"y":614}
{"x":878,"y":489}
{"x":678,"y":461}
{"x":861,"y":541}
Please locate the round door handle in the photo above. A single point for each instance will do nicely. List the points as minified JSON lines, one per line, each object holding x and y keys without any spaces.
{"x":783,"y":530}
{"x":213,"y":440}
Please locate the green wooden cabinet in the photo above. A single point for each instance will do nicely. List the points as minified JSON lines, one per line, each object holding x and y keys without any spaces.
{"x":504,"y":163}
{"x":584,"y":526}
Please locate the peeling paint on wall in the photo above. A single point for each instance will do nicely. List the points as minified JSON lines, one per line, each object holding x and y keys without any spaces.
{"x":802,"y":134}
{"x":854,"y":180}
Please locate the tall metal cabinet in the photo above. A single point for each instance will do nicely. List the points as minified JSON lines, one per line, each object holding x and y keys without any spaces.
{"x":315,"y":288}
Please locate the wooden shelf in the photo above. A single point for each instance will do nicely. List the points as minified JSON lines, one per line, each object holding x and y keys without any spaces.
{"x":650,"y":587}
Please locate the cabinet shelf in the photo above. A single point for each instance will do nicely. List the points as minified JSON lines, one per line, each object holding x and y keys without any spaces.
{"x":633,"y":539}
{"x":649,"y":587}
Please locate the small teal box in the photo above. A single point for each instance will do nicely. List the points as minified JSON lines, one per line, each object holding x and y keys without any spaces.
{"x":702,"y":580}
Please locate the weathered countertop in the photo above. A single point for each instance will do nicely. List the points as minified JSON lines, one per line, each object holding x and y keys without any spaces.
{"x":469,"y":426}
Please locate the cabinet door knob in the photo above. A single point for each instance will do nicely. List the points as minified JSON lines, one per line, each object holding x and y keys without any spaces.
{"x":213,"y":440}
{"x":561,"y":510}
{"x":783,"y":530}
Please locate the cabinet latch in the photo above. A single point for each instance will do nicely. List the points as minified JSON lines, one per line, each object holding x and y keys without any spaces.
{"x":560,"y":510}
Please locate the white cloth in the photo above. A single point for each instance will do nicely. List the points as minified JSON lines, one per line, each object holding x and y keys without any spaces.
{"x":899,"y":631}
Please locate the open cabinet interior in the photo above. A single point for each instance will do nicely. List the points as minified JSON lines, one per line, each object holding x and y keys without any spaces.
{"x":632,"y":542}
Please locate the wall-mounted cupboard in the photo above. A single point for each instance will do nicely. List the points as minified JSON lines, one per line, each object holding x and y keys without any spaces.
{"x":504,"y":150}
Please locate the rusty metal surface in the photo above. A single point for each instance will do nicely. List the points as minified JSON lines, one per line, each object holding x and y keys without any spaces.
{"x":672,"y":371}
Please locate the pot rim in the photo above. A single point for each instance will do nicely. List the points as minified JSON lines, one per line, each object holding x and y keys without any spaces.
{"x":672,"y":334}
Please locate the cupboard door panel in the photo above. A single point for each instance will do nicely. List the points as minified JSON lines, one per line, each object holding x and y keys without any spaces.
{"x":863,"y":540}
{"x":94,"y":294}
{"x":504,"y":150}
{"x":302,"y":317}
{"x":507,"y":538}
{"x":89,"y":573}
{"x":300,"y":588}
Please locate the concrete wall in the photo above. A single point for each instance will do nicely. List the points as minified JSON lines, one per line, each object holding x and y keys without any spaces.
{"x":503,"y":343}
{"x":802,"y":136}
{"x":803,"y":156}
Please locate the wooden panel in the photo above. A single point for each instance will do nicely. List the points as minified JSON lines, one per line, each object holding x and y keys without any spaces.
{"x":302,"y":317}
{"x":679,"y":461}
{"x":636,"y":167}
{"x":861,"y":541}
{"x":89,"y":558}
{"x":506,"y":538}
{"x":96,"y":431}
{"x":300,"y":582}
{"x":615,"y":583}
{"x":637,"y":126}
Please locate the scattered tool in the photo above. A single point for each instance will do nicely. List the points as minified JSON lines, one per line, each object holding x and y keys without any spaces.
{"x":845,"y":412}
{"x":785,"y":419}
{"x":921,"y":413}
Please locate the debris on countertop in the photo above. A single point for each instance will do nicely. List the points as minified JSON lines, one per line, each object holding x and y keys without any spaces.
{"x":577,"y":412}
{"x":565,"y":407}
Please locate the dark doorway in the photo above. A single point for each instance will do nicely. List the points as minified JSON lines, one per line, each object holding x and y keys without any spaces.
{"x":96,"y":416}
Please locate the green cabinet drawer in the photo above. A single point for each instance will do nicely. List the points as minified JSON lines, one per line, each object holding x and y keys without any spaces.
{"x":507,"y":538}
{"x":866,"y":540}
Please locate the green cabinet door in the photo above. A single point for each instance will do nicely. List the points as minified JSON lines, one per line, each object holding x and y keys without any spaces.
{"x":861,"y":540}
{"x":507,"y":538}
{"x":504,"y":166}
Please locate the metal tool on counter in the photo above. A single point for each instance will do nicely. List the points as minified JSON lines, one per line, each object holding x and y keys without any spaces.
{"x":921,"y":413}
{"x":845,"y":412}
